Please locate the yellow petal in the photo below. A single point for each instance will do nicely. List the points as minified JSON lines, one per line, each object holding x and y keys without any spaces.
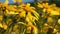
{"x":1,"y":25}
{"x":35,"y":30}
{"x":28,"y":20}
{"x":44,"y":10}
{"x":50,"y":19}
{"x":40,"y":5}
{"x":4,"y":26}
{"x":28,"y":5}
{"x":36,"y":14}
{"x":22,"y":14}
{"x":59,"y":21}
{"x":55,"y":12}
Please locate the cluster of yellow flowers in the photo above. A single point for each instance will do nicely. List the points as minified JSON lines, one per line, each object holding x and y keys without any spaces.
{"x":23,"y":10}
{"x":9,"y":14}
{"x":52,"y":9}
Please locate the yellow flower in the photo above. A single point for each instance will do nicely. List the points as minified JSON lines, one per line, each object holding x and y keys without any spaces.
{"x":59,"y":21}
{"x":29,"y":10}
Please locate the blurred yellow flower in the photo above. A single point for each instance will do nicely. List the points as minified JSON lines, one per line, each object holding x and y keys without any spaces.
{"x":51,"y":9}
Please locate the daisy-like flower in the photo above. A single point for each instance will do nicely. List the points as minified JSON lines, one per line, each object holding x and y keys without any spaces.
{"x":26,"y":8}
